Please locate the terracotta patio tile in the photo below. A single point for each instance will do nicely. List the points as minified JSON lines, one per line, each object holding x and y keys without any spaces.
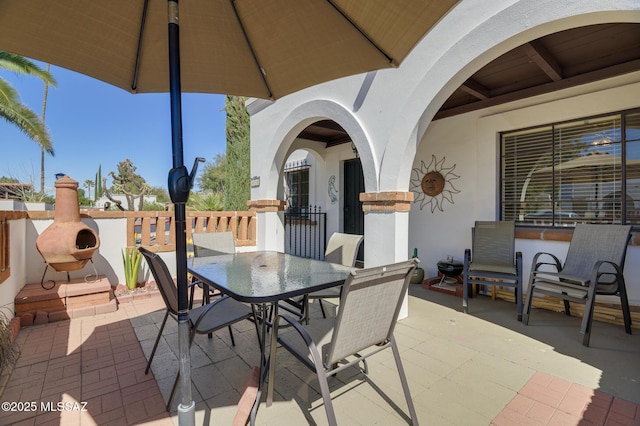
{"x":97,"y":363}
{"x":542,"y":379}
{"x":100,"y":388}
{"x":111,"y":400}
{"x":521,"y":403}
{"x":541,"y":413}
{"x":595,"y":414}
{"x":154,"y":405}
{"x":113,"y":417}
{"x":140,"y":391}
{"x":28,"y":422}
{"x":510,"y":417}
{"x":134,"y":412}
{"x":60,"y":387}
{"x":10,"y":418}
{"x":560,"y":418}
{"x":601,"y":399}
{"x":559,"y":385}
{"x":94,"y":405}
{"x":617,"y":418}
{"x":543,"y":394}
{"x":90,"y":377}
{"x":107,"y":372}
{"x":624,"y":408}
{"x":575,"y":403}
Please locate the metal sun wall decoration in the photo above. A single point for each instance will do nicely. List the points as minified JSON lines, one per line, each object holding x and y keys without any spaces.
{"x":432,"y":184}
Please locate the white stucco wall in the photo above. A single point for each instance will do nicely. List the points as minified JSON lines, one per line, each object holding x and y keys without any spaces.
{"x":14,"y":283}
{"x":470,"y":142}
{"x":107,"y":259}
{"x":388,"y":116}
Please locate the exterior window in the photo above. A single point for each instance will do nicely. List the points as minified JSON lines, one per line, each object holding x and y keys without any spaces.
{"x":586,"y":171}
{"x":298,"y":190}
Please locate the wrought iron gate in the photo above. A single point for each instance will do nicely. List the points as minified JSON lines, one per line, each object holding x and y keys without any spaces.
{"x":306,"y":232}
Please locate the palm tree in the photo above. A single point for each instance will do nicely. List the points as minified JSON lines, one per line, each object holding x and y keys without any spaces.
{"x":14,"y":111}
{"x":88,"y":184}
{"x":44,"y":110}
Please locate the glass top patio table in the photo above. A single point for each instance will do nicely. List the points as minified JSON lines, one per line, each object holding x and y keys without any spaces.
{"x":263,"y":277}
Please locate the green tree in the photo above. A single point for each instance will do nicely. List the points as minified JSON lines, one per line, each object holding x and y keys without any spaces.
{"x":212,"y":177}
{"x":13,"y":110}
{"x":153,"y":207}
{"x":44,"y":110}
{"x":5,"y":179}
{"x":89,"y":184}
{"x":128,"y":183}
{"x":206,"y":201}
{"x":83,"y":199}
{"x":162,"y":196}
{"x":237,"y":190}
{"x":97,"y":193}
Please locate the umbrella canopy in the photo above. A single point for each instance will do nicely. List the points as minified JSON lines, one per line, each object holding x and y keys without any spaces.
{"x":256,"y":48}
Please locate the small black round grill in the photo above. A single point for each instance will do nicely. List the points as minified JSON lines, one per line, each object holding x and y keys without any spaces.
{"x":450,"y":270}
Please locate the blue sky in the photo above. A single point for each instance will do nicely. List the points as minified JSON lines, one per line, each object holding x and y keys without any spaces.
{"x":92,"y":124}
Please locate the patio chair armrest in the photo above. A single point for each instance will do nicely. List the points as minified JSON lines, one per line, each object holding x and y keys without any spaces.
{"x":537,"y":263}
{"x":467,"y":258}
{"x":206,"y":310}
{"x":296,"y":325}
{"x":597,"y":273}
{"x":311,"y":345}
{"x":294,"y":307}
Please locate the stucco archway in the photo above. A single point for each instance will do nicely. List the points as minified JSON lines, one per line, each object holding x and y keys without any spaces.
{"x":499,"y":33}
{"x":273,"y":148}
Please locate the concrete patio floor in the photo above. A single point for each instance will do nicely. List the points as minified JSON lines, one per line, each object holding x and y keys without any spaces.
{"x":477,"y":369}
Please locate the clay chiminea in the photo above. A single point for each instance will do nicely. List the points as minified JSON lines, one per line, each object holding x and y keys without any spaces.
{"x":67,"y":244}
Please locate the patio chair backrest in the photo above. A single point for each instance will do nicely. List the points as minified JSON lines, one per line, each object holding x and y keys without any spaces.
{"x":343,"y":248}
{"x":213,"y":243}
{"x":163,"y":278}
{"x":494,"y":243}
{"x":369,"y":307}
{"x":591,"y":243}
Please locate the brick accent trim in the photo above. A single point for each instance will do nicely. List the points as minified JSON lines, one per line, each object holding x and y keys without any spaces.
{"x":390,"y":201}
{"x":266,"y":205}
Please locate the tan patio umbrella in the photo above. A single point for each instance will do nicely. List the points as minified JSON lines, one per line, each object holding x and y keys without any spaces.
{"x":257,"y":48}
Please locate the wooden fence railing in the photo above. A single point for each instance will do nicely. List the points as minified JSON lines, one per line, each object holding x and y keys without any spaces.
{"x":146,"y":228}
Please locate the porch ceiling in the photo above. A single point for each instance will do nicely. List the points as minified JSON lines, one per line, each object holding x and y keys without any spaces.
{"x":553,"y":62}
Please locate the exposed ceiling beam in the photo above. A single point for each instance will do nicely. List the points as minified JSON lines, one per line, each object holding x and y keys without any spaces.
{"x":543,"y":59}
{"x":327,"y":124}
{"x":590,"y":77}
{"x":306,"y":134}
{"x":475,"y":89}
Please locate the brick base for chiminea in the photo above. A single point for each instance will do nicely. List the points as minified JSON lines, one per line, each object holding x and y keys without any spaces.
{"x":35,"y":305}
{"x":434,"y":284}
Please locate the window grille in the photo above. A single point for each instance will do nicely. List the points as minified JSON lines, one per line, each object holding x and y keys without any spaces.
{"x":297,"y":186}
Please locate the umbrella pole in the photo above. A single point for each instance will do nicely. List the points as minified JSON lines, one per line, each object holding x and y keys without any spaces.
{"x":186,"y":408}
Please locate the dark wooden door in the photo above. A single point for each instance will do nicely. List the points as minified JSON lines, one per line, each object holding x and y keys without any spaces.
{"x":353,"y":217}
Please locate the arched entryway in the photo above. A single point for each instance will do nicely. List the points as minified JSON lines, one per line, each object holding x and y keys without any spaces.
{"x":323,"y":179}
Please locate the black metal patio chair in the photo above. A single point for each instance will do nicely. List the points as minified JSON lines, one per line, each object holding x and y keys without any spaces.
{"x":594,"y":266}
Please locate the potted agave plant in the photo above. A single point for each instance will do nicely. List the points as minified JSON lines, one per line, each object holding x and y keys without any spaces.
{"x":131,"y":258}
